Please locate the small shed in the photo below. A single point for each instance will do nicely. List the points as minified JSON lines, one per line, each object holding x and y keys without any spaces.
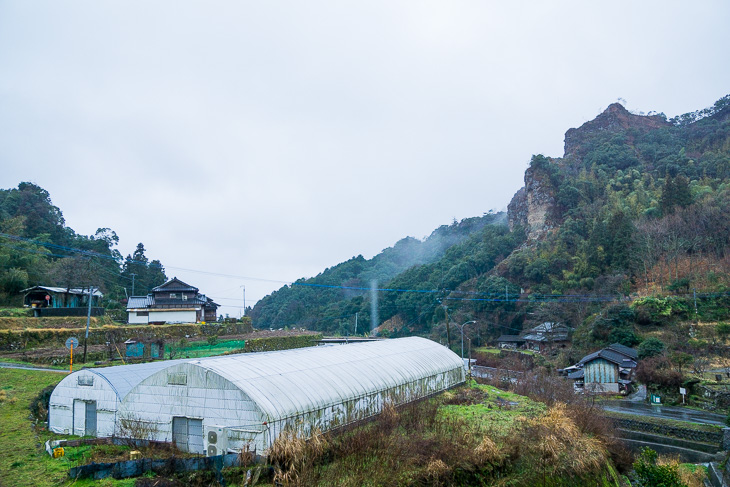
{"x":142,"y":348}
{"x":61,"y":301}
{"x":510,"y":342}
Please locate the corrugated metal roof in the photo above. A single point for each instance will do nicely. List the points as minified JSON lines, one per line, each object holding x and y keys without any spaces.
{"x":136,"y":302}
{"x":294,"y":381}
{"x":63,"y":290}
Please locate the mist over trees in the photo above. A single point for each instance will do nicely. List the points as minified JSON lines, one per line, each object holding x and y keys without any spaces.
{"x":638,"y":206}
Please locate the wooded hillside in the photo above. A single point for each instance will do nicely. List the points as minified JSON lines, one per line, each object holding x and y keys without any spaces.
{"x":639,"y":205}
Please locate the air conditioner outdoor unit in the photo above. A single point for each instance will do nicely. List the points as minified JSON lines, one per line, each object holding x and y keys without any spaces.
{"x":216,"y":438}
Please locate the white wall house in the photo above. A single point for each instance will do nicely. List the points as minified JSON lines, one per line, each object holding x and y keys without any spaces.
{"x":171,"y":302}
{"x":247,"y":400}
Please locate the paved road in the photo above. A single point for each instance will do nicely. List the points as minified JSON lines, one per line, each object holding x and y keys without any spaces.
{"x":668,"y":412}
{"x":8,"y":365}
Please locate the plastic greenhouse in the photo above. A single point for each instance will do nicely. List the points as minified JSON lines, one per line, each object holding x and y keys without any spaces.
{"x":219,"y":404}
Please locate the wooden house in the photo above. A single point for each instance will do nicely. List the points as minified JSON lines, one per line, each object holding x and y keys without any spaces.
{"x":607,"y":370}
{"x":172,"y":302}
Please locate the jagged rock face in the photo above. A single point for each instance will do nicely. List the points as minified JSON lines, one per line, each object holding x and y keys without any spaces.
{"x":531,"y":206}
{"x":613,"y":119}
{"x":517,"y":210}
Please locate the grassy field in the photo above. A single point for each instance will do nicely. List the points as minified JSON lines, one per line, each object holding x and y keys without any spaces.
{"x":496,"y":351}
{"x":489,"y":408}
{"x":23,"y":461}
{"x":201,"y":348}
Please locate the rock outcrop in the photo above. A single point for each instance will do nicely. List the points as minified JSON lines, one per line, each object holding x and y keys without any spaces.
{"x":533,"y":205}
{"x":613,"y":119}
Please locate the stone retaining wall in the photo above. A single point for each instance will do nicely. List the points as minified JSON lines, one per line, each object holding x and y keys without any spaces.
{"x":715,"y":438}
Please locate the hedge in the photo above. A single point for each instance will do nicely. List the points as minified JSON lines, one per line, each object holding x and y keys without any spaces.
{"x":270,"y":344}
{"x":31,"y":338}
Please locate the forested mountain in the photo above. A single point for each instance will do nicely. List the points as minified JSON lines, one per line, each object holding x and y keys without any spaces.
{"x":37,"y":248}
{"x":638,"y":205}
{"x":330,"y":300}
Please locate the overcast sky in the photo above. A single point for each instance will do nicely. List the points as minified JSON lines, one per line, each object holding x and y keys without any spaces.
{"x":271,"y":140}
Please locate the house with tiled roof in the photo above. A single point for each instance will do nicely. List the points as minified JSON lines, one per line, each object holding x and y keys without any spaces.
{"x":544,"y":336}
{"x":610,"y":369}
{"x":172,"y":302}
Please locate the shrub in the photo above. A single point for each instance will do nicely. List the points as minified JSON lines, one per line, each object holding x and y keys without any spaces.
{"x":650,"y":347}
{"x":652,"y":310}
{"x":651,"y":474}
{"x":39,"y":406}
{"x":658,"y":372}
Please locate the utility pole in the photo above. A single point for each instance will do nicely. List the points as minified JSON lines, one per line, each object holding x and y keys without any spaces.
{"x":244,"y":300}
{"x":355,"y":324}
{"x":697,"y":318}
{"x":133,"y":283}
{"x":88,"y":319}
{"x":448,"y":329}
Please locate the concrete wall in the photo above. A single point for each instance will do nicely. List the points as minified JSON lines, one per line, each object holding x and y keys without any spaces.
{"x":135,"y":319}
{"x":173,"y":316}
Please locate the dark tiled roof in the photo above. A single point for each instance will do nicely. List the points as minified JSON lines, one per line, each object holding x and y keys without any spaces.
{"x":578,"y":374}
{"x":550,"y":327}
{"x":510,"y":338}
{"x":534,"y":337}
{"x":607,"y":354}
{"x":162,"y":302}
{"x":136,"y":302}
{"x":175,"y":284}
{"x":623,"y":349}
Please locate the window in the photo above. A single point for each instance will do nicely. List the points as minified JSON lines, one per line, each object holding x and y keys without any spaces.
{"x":184,"y":297}
{"x":143,"y":313}
{"x":173,"y":295}
{"x":177,"y":379}
{"x":85,"y":380}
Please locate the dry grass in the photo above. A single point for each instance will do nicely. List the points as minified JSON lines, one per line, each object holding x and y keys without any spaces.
{"x":557,"y":440}
{"x":295,"y":456}
{"x":690,"y":475}
{"x":427,"y":443}
{"x":581,"y":409}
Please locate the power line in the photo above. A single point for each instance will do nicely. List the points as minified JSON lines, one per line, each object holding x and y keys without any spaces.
{"x":519,"y":297}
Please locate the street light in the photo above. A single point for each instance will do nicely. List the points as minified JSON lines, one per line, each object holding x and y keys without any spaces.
{"x":462,"y":337}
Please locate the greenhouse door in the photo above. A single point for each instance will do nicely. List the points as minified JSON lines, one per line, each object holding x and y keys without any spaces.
{"x":84,"y":418}
{"x":90,"y":419}
{"x":187,"y":434}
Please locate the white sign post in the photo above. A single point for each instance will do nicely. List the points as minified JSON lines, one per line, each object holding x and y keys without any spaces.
{"x":683,"y":391}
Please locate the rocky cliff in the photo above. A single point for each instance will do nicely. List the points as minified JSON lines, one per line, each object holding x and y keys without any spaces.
{"x":531,"y":207}
{"x":614,"y":119}
{"x":534,"y":205}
